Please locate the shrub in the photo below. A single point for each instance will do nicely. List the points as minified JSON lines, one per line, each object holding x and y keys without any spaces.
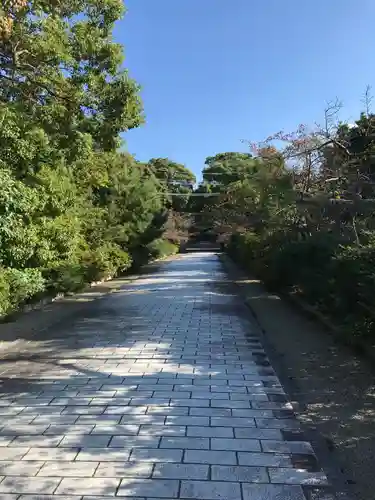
{"x":23,"y":285}
{"x":338,"y":279}
{"x":4,"y":293}
{"x":66,"y":277}
{"x":244,"y":248}
{"x":303,"y":264}
{"x":354,"y":279}
{"x":106,"y":261}
{"x":161,"y":248}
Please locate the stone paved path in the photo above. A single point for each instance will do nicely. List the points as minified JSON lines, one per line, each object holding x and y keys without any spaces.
{"x":163,"y":392}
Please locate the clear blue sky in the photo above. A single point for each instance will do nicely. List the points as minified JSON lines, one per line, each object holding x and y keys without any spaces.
{"x":214,"y":72}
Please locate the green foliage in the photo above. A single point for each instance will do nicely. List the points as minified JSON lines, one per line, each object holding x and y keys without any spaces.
{"x":22,"y":285}
{"x":176,"y":179}
{"x":106,"y":261}
{"x":338,"y":279}
{"x":66,"y":277}
{"x":170,"y":171}
{"x":73,"y":208}
{"x":62,"y":75}
{"x":303,"y":243}
{"x":224,"y":168}
{"x":4,"y":294}
{"x":162,"y":248}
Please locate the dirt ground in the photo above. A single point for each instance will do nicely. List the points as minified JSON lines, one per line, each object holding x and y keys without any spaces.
{"x":333,"y":390}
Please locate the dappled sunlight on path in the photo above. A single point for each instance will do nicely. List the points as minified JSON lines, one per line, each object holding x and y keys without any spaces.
{"x":163,"y":391}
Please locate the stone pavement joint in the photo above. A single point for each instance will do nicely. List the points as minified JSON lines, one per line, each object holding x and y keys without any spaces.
{"x":163,"y":391}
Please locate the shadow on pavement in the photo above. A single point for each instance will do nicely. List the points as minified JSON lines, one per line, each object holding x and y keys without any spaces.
{"x":97,"y":388}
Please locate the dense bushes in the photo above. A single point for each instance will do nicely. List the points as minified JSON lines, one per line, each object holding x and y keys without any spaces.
{"x":162,"y":248}
{"x":338,"y":279}
{"x":17,"y":286}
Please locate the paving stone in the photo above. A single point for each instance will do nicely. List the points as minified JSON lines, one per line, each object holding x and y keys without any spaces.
{"x":251,"y":433}
{"x":271,"y":405}
{"x":300,"y":447}
{"x":224,"y":432}
{"x":297,"y":476}
{"x":29,"y":401}
{"x":235,"y":444}
{"x":43,"y":485}
{"x":70,"y":401}
{"x":36,"y":441}
{"x":84,"y":441}
{"x":162,"y":430}
{"x":163,"y":488}
{"x":20,"y":420}
{"x":245,"y":413}
{"x":210,"y":490}
{"x":11,"y":411}
{"x":7,"y":440}
{"x":116,"y":410}
{"x":25,"y":430}
{"x":105,"y":498}
{"x":211,"y":412}
{"x":74,"y":469}
{"x":221,"y":403}
{"x":232,"y":422}
{"x":264,"y":460}
{"x":126,"y":469}
{"x":103,"y":455}
{"x":167,"y":411}
{"x":188,"y":443}
{"x":212,"y":396}
{"x":156,"y":455}
{"x":54,"y":454}
{"x":210,"y":457}
{"x":13,"y":453}
{"x":124,"y":410}
{"x":98,"y":419}
{"x":271,"y":492}
{"x":116,"y":430}
{"x":42,"y":410}
{"x":83,"y":410}
{"x":134,"y":442}
{"x":200,"y":421}
{"x":20,"y":468}
{"x":238,"y":473}
{"x":228,"y":389}
{"x":105,"y":486}
{"x":66,"y":428}
{"x":56,"y":419}
{"x":48,"y":497}
{"x":181,"y":471}
{"x":142,"y":419}
{"x":200,"y":403}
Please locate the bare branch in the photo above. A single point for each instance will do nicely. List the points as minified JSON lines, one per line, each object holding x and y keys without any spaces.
{"x":367,"y":100}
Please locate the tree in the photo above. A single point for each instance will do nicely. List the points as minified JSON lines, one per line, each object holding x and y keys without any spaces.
{"x":224,"y":168}
{"x":61,"y":74}
{"x":246,"y":188}
{"x":73,"y":209}
{"x":175,"y":179}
